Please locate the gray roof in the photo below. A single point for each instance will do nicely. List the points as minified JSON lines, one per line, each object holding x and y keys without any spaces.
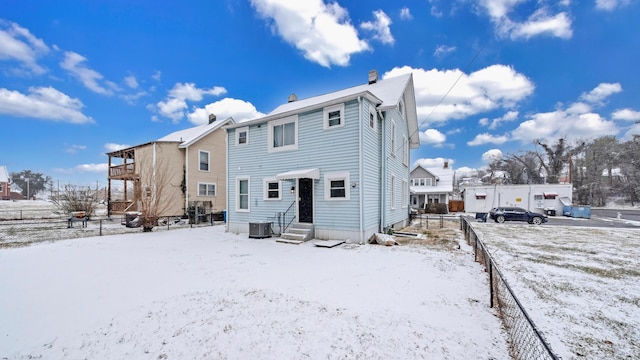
{"x":385,"y":93}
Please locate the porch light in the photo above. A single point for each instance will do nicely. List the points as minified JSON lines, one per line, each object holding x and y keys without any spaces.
{"x":293,"y":189}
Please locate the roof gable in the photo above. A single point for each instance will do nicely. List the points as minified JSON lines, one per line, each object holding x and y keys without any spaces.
{"x":189,"y":136}
{"x":4,"y":174}
{"x":386,"y":94}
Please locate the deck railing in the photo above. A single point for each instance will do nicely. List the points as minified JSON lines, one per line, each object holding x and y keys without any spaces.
{"x":122,"y":170}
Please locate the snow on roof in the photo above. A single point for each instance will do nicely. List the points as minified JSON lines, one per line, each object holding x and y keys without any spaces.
{"x":388,"y":91}
{"x":385,"y":93}
{"x":444,"y":184}
{"x":188,"y":136}
{"x":4,"y":174}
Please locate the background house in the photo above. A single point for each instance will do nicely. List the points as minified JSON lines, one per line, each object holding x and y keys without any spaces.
{"x":5,"y":184}
{"x":433,"y":185}
{"x":338,"y":161}
{"x":193,"y":161}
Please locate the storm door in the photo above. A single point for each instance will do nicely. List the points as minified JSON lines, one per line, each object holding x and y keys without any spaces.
{"x":305,"y":200}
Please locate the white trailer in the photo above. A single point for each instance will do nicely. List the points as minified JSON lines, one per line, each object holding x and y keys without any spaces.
{"x":543,"y":198}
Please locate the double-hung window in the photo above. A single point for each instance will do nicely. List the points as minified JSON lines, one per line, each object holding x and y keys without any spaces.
{"x":393,"y":138}
{"x":393,"y":191}
{"x":283,"y":134}
{"x":243,"y":199}
{"x":405,"y":151}
{"x":333,"y":116}
{"x":405,"y":197}
{"x":242,"y":135}
{"x":206,"y":189}
{"x":336,"y":186}
{"x":204,"y":160}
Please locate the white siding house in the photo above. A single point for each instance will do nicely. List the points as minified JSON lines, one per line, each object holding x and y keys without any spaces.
{"x":431,"y":185}
{"x":338,"y":161}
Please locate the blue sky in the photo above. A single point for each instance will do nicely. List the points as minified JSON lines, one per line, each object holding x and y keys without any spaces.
{"x":81,"y":78}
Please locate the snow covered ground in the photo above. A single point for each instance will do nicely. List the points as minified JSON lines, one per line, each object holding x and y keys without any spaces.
{"x":204,"y":293}
{"x":581,"y":285}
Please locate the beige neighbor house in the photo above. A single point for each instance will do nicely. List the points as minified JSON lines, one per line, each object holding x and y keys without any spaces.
{"x":5,"y":184}
{"x":185,"y":171}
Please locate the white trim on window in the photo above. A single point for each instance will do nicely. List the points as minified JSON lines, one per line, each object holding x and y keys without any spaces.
{"x":393,"y":138}
{"x":240,"y":139}
{"x":271,"y":188}
{"x":286,"y":137}
{"x":333,"y":117}
{"x":209,"y":189}
{"x":201,"y":163}
{"x":401,"y":108}
{"x":243,"y":192}
{"x":337,"y":186}
{"x":393,"y":191}
{"x":405,"y":197}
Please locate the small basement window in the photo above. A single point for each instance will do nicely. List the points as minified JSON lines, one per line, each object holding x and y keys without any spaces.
{"x":481,"y":196}
{"x":550,"y":195}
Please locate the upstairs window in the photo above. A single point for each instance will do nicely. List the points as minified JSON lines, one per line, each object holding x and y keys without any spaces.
{"x":372,"y":120}
{"x":393,"y":138}
{"x":405,"y":151}
{"x":242,"y":201}
{"x":242,"y":135}
{"x":283,"y":134}
{"x":333,"y":117}
{"x":204,"y":160}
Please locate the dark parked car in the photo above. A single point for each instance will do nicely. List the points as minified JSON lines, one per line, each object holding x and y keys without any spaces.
{"x":506,"y":213}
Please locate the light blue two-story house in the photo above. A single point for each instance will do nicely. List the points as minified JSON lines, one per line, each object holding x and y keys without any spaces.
{"x":338,"y":161}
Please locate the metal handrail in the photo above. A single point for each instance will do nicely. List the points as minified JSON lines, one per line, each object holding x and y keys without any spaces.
{"x":284,"y":217}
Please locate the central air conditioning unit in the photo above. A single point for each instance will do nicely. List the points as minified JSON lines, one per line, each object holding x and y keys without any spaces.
{"x":260,"y":229}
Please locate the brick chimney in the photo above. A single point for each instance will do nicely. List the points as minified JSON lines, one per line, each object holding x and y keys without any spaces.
{"x":373,"y":76}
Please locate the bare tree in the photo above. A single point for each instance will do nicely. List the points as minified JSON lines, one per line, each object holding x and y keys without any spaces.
{"x":75,"y":198}
{"x":630,"y":169}
{"x":153,"y":185}
{"x":557,"y":155}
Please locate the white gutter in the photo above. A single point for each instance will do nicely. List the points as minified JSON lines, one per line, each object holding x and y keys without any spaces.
{"x":360,"y":167}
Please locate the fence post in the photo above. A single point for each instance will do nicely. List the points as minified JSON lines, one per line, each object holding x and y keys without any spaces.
{"x":100,"y":227}
{"x":490,"y":283}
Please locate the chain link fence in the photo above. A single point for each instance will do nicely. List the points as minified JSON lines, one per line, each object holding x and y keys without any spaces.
{"x":526,"y":341}
{"x":47,"y":227}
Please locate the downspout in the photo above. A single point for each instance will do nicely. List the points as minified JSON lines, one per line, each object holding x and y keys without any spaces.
{"x":226,"y":176}
{"x":383,"y":169}
{"x":360,"y":167}
{"x":186,"y":180}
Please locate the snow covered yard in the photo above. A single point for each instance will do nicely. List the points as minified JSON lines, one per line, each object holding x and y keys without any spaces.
{"x":581,"y":285}
{"x":204,"y":293}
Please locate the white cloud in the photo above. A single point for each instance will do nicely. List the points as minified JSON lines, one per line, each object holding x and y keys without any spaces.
{"x":157,"y":75}
{"x":18,"y":44}
{"x":486,"y":138}
{"x":380,"y":27}
{"x":550,"y":126}
{"x":443,"y":50}
{"x":492,"y":155}
{"x":74,"y":63}
{"x":432,"y":137}
{"x":496,"y":86}
{"x":44,"y":103}
{"x":509,"y":116}
{"x":601,"y":92}
{"x":131,"y":81}
{"x":131,"y":98}
{"x":176,"y":103}
{"x":110,"y":147}
{"x":97,"y":168}
{"x":626,"y":114}
{"x":610,"y":5}
{"x":540,"y":22}
{"x":73,"y":149}
{"x":634,"y":130}
{"x":239,"y":110}
{"x":405,"y":14}
{"x":465,"y":171}
{"x":322,"y":32}
{"x":435,"y":162}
